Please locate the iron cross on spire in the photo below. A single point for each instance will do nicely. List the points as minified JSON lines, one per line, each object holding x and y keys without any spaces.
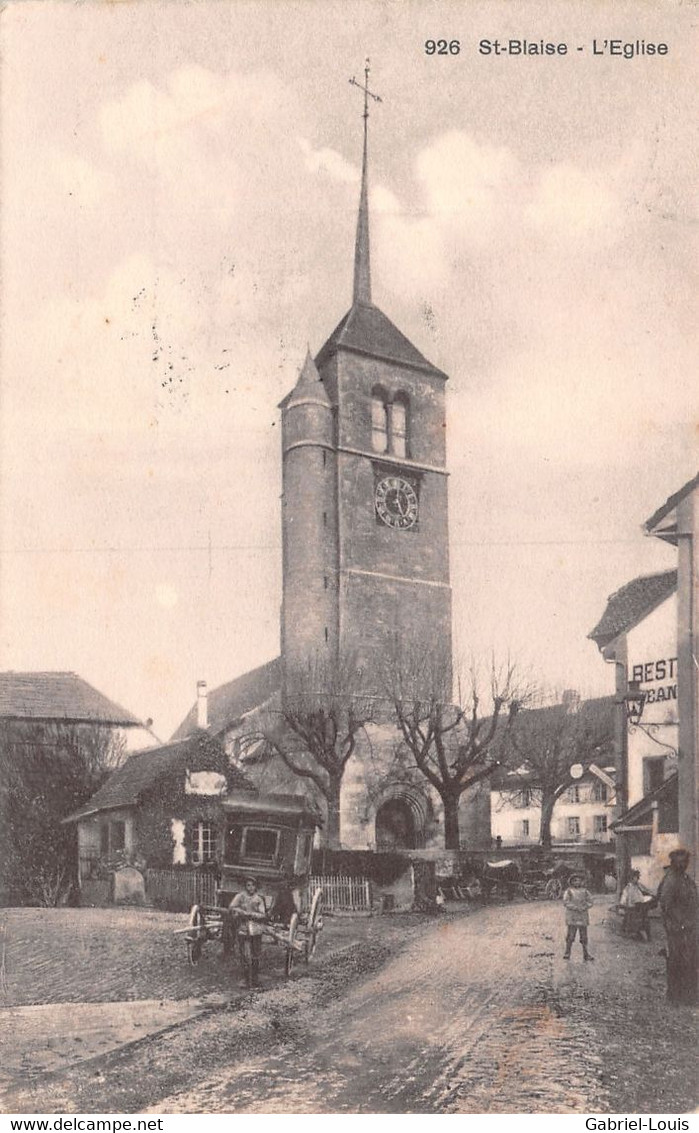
{"x":367,"y":93}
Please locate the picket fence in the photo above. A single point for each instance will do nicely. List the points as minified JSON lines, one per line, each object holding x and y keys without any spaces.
{"x":343,"y":894}
{"x":181,"y":889}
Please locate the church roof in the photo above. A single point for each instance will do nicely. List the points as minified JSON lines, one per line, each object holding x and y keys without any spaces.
{"x":632,"y":603}
{"x":143,"y":770}
{"x":366,"y":330}
{"x":64,"y":697}
{"x":229,"y":702}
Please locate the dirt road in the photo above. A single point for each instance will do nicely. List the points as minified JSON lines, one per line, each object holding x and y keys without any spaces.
{"x":480,"y":1015}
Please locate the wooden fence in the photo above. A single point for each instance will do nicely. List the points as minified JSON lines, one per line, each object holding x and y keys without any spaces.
{"x":178,"y":889}
{"x":344,"y":894}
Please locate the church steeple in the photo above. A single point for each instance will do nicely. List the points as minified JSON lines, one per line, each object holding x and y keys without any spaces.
{"x":362,"y":257}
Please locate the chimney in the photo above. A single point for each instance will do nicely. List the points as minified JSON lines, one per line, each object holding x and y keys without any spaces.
{"x":202,"y":705}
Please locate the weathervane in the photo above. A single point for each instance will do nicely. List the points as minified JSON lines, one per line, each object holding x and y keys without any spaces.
{"x":367,"y":93}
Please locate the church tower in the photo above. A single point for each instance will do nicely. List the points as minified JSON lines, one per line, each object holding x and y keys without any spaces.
{"x":364,"y":505}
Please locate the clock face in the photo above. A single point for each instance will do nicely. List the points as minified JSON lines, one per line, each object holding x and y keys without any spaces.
{"x":396,"y":502}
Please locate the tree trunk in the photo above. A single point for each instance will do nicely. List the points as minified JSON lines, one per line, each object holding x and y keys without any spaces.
{"x":547,"y":805}
{"x":332,"y":825}
{"x":452,"y":839}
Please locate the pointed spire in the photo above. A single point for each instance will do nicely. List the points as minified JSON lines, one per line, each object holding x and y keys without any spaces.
{"x":362,"y":265}
{"x":309,"y":383}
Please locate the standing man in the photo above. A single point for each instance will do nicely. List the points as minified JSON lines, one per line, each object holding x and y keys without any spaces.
{"x":677,"y":897}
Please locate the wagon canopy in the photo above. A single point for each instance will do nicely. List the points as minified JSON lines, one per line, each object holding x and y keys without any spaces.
{"x":273,"y":807}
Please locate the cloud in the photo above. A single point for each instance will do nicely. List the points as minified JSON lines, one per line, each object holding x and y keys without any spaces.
{"x":467,"y":185}
{"x":328,"y":161}
{"x":569,"y":203}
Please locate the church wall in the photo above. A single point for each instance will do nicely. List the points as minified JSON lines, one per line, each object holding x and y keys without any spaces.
{"x":356,"y":378}
{"x":382,"y":616}
{"x":368,"y":544}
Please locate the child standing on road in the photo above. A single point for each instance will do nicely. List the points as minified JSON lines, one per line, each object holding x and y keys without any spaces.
{"x":248,"y":907}
{"x":577,"y":900}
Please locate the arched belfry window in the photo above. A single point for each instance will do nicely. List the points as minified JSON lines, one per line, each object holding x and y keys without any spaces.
{"x":399,"y":425}
{"x":389,"y":422}
{"x":379,"y":420}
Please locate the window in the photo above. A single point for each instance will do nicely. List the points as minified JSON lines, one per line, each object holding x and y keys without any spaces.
{"x":399,"y":428}
{"x":653,"y":773}
{"x":112,"y":838}
{"x":525,"y":797}
{"x":203,"y":843}
{"x":379,"y":423}
{"x":599,"y":792}
{"x":389,"y":422}
{"x":573,"y":795}
{"x":599,"y":822}
{"x":524,"y":828}
{"x":260,"y":844}
{"x":573,"y":826}
{"x":117,"y":836}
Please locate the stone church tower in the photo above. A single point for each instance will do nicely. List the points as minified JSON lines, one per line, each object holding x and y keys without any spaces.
{"x":365,"y":568}
{"x":364,"y":505}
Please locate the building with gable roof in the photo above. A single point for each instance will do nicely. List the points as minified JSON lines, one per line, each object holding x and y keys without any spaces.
{"x":648,"y":631}
{"x":35,"y":698}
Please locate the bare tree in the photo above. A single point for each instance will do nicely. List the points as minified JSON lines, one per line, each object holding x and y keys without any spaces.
{"x":547,"y":742}
{"x":315,"y":731}
{"x":47,"y":770}
{"x":452,"y":744}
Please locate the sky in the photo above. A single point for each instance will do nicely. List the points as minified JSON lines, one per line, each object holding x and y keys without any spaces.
{"x":180,"y":186}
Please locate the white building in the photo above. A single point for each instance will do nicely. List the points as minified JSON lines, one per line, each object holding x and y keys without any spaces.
{"x":582,"y":814}
{"x":638,"y":632}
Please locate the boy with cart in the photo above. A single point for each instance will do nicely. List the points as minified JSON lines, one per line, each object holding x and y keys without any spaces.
{"x":248,"y":908}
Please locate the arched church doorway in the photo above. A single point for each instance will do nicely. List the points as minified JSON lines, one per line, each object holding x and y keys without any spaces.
{"x":396,"y":827}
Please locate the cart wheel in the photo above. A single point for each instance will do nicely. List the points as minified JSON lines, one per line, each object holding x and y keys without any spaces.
{"x":529,"y":892}
{"x":315,"y":923}
{"x":195,"y":942}
{"x":290,"y":951}
{"x":553,"y":889}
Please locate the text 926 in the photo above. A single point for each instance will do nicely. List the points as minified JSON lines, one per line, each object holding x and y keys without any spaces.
{"x":442,"y":47}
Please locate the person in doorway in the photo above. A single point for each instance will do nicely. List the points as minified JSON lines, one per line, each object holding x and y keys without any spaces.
{"x":577,"y":901}
{"x":248,"y":907}
{"x":677,"y":897}
{"x":636,"y":901}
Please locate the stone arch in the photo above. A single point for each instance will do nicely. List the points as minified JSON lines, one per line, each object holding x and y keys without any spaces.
{"x":400,"y":821}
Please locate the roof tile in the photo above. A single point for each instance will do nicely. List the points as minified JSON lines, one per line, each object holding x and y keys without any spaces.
{"x":229,"y":702}
{"x":628,"y":606}
{"x":58,"y":696}
{"x":143,"y":770}
{"x":367,"y":330}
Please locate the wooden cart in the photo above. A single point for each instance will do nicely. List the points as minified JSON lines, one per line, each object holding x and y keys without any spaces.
{"x":215,"y":923}
{"x":270,"y":837}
